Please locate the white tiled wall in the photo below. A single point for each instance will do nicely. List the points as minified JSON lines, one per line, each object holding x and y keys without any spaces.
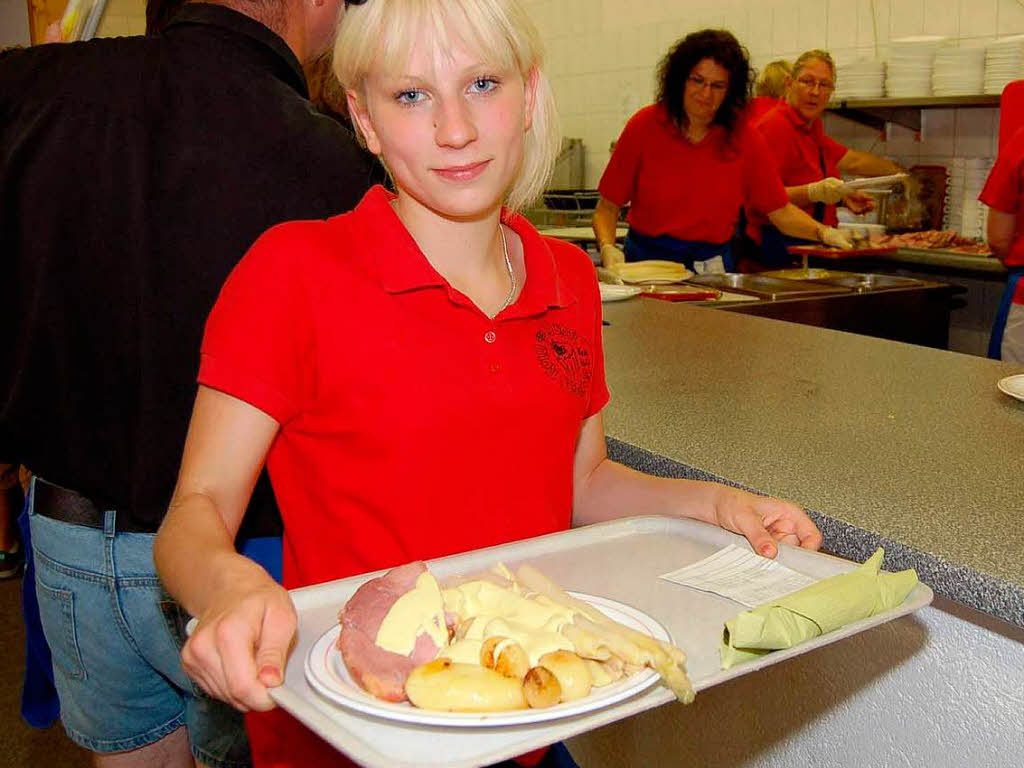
{"x":603,"y":53}
{"x":123,"y":18}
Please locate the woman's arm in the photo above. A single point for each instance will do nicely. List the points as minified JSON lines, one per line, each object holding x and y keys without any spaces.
{"x":999,"y":232}
{"x":605,"y":221}
{"x":798,"y":195}
{"x":866,"y":164}
{"x":792,"y":221}
{"x":246,"y":620}
{"x":606,"y":490}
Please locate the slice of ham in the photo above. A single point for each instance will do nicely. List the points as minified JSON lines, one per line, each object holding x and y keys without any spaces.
{"x":380,"y":672}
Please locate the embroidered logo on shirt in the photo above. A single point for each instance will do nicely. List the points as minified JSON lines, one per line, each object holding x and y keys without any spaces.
{"x":566,"y":357}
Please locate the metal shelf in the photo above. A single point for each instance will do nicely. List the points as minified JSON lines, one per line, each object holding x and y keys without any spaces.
{"x":906,"y":112}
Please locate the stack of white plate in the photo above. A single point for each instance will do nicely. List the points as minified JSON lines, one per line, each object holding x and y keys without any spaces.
{"x":958,"y":71}
{"x":909,"y":73}
{"x":964,"y":212}
{"x":863,"y":79}
{"x":1004,"y":63}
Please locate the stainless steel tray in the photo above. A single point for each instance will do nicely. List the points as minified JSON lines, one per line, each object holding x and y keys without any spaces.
{"x":862,"y":283}
{"x":621,"y":560}
{"x":766,"y":287}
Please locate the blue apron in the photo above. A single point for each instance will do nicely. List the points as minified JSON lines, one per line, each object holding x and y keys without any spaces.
{"x":995,"y":343}
{"x":39,"y":705}
{"x":667,"y":248}
{"x":775,"y":247}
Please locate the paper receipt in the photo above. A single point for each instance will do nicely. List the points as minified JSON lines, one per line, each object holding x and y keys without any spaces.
{"x":740,"y":575}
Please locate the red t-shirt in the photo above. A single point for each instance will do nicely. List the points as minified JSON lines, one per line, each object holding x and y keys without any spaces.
{"x":686,"y":190}
{"x":759,"y":107}
{"x":798,"y":148}
{"x":412,"y":425}
{"x":1004,"y":191}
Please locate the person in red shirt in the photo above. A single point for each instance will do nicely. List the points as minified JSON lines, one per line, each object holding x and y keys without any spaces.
{"x":809,"y":162}
{"x":688,"y":163}
{"x":769,"y":88}
{"x":1004,"y":195}
{"x":422,"y":376}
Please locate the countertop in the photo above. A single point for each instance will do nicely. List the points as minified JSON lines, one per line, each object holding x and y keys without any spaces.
{"x":947,"y":259}
{"x":578,"y":234}
{"x":886,"y":444}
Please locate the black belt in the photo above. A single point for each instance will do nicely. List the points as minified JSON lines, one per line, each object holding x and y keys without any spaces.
{"x":67,"y":506}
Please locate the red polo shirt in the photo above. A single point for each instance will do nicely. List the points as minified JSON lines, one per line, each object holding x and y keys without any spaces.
{"x":412,"y":425}
{"x":799,"y":149}
{"x":759,"y":107}
{"x":686,"y":190}
{"x":1004,"y":191}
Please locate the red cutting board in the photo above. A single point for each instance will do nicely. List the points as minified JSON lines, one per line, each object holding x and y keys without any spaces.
{"x":678,"y":293}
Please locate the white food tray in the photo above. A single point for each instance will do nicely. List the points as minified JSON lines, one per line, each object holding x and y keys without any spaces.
{"x":621,"y":560}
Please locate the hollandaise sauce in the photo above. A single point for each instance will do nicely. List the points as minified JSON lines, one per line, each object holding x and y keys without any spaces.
{"x":494,"y":611}
{"x":419,"y":611}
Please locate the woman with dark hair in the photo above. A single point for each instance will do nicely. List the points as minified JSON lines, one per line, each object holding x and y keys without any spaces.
{"x":689,"y":162}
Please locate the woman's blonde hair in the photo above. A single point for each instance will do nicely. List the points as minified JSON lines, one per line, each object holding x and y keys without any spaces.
{"x":383,"y":33}
{"x":812,"y":55}
{"x":772,"y":80}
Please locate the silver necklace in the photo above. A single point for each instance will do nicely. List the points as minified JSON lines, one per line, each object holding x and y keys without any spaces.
{"x":511,"y":272}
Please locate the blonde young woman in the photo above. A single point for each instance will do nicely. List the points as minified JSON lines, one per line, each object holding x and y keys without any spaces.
{"x":422,"y":376}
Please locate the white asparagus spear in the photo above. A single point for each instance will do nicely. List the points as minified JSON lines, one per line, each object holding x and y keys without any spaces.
{"x":658,"y":655}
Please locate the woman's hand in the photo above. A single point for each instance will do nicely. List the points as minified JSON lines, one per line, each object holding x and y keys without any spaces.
{"x":834,"y":238}
{"x":611,"y":255}
{"x":764,"y":521}
{"x":828,"y":190}
{"x":239,"y":648}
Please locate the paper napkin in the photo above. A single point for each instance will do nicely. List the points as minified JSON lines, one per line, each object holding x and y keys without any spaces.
{"x":815,"y":610}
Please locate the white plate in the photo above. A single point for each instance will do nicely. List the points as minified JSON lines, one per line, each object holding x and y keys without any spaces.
{"x":326,"y":672}
{"x":617,"y":292}
{"x":1013,"y":386}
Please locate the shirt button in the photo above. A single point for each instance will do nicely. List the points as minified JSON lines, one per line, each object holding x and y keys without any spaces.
{"x":495,"y":367}
{"x":490,"y":336}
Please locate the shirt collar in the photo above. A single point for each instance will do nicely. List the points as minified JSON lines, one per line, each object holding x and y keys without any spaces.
{"x":220,"y":16}
{"x":403,"y":268}
{"x":814,"y":127}
{"x":715,"y":130}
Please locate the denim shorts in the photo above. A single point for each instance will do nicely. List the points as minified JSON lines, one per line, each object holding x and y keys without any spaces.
{"x":116,"y":637}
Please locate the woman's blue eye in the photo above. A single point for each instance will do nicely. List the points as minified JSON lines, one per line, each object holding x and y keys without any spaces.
{"x":409,"y":97}
{"x":484,"y":84}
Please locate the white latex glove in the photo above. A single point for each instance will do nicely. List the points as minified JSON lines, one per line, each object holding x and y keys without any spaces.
{"x":835,"y":238}
{"x":612,"y":255}
{"x":829,"y":190}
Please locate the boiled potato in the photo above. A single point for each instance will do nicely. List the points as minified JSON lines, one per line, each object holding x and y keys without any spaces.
{"x":511,"y":659}
{"x":541,"y":688}
{"x":570,"y":671}
{"x":449,"y":687}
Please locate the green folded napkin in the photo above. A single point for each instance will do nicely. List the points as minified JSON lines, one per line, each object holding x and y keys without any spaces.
{"x":825,"y":605}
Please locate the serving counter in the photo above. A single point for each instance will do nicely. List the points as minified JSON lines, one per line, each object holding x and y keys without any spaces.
{"x":886,"y":444}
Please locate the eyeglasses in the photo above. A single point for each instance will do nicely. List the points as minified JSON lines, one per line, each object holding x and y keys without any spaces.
{"x":809,"y":83}
{"x":698,"y":82}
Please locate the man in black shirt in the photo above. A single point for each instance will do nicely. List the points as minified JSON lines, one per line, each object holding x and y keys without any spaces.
{"x":134,"y":173}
